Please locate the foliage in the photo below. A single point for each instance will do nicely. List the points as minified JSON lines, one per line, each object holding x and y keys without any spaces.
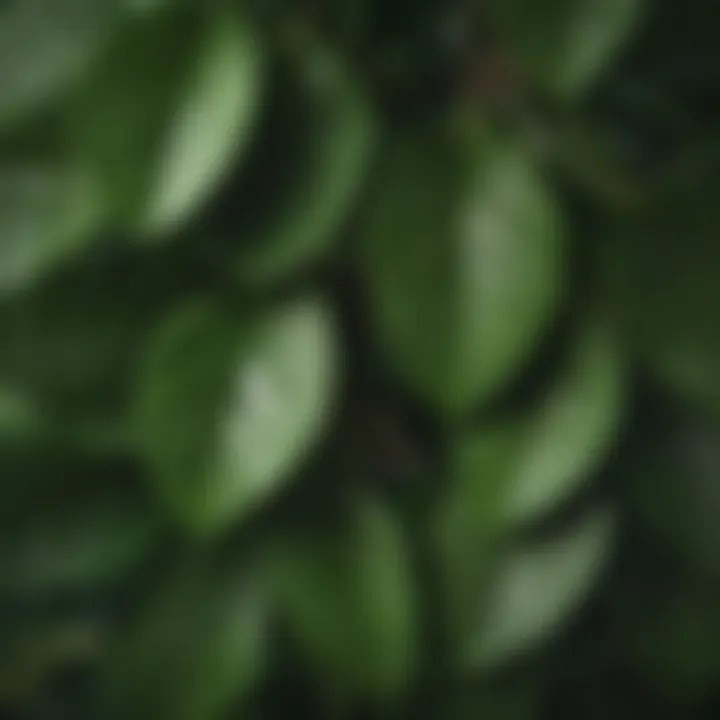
{"x":359,"y":359}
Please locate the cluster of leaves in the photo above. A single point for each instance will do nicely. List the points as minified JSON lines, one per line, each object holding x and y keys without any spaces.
{"x":359,"y":359}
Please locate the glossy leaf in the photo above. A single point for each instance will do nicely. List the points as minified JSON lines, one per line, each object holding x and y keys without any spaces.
{"x":565,"y":45}
{"x":211,"y":126}
{"x":519,"y":469}
{"x":463,"y":253}
{"x":196,"y":650}
{"x":347,"y":594}
{"x":229,"y":403}
{"x":187,"y":84}
{"x":536,"y":592}
{"x":575,"y":427}
{"x":323,"y":135}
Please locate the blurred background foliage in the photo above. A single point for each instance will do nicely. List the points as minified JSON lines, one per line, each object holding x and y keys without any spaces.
{"x":359,"y":359}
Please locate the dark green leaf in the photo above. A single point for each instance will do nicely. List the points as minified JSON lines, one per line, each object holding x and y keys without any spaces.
{"x":661,"y":275}
{"x":46,"y":47}
{"x":195,"y":651}
{"x":48,"y":212}
{"x":463,"y":252}
{"x":82,"y":548}
{"x":348,"y":595}
{"x":323,"y":137}
{"x":565,"y":44}
{"x":68,"y":347}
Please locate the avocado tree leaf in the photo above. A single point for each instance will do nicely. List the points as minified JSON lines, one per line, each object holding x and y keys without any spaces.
{"x":187,"y":82}
{"x":322,"y":131}
{"x":463,"y":252}
{"x":195,"y":651}
{"x":77,"y":548}
{"x":228,"y":404}
{"x":347,"y":595}
{"x":536,"y":591}
{"x":565,"y":45}
{"x":46,"y":48}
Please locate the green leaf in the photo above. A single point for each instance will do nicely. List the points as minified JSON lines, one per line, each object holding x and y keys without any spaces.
{"x":48,"y":212}
{"x":671,"y":473}
{"x":68,"y":347}
{"x":322,"y":133}
{"x":463,"y":254}
{"x":660,"y":274}
{"x":85,"y":547}
{"x":47,"y":47}
{"x":537,"y":590}
{"x":512,"y":472}
{"x":187,"y":84}
{"x":565,"y":45}
{"x":229,"y":404}
{"x":347,"y":593}
{"x":211,"y":126}
{"x":196,"y":650}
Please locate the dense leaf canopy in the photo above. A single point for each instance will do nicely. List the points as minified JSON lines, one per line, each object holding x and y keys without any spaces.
{"x":359,"y":359}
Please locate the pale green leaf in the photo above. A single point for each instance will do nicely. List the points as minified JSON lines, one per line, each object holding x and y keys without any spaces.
{"x":536,"y":592}
{"x":167,"y":114}
{"x":518,"y":469}
{"x":229,"y":403}
{"x":210,"y":126}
